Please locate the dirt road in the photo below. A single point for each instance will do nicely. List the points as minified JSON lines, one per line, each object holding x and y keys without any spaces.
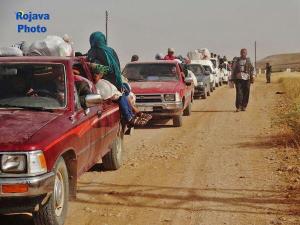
{"x":219,"y":168}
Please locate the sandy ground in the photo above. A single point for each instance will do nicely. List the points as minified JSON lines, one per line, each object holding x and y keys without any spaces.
{"x":220,"y":168}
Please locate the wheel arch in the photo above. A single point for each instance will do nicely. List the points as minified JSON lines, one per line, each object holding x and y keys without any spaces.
{"x":70,"y":159}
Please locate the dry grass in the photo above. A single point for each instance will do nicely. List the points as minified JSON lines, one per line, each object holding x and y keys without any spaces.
{"x":289,"y":118}
{"x":292,"y":87}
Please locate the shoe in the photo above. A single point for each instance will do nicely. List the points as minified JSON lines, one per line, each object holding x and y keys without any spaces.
{"x":243,"y":109}
{"x":237,"y":110}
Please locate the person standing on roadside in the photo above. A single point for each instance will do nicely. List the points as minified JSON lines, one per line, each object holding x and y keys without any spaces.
{"x":268,"y":72}
{"x":242,"y":75}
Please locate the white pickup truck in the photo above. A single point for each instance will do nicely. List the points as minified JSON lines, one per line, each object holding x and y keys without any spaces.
{"x":208,"y":66}
{"x":219,"y":74}
{"x":225,"y":71}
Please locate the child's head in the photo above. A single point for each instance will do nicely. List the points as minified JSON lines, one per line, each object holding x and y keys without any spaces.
{"x":99,"y":71}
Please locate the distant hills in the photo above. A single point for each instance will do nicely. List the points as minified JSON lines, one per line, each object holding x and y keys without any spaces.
{"x":281,"y":62}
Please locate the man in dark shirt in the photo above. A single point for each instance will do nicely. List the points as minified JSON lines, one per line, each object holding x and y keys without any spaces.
{"x":242,"y":75}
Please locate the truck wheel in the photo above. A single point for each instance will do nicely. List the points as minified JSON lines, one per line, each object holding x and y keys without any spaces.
{"x":188,"y":110}
{"x":177,"y":121}
{"x":113,"y":159}
{"x":54,"y":212}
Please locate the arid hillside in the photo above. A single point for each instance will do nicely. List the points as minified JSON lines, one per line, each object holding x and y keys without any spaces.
{"x":281,"y":62}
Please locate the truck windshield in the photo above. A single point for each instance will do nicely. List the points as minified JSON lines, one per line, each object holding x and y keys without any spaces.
{"x":32,"y":86}
{"x":207,"y":68}
{"x":150,"y":72}
{"x":196,"y":69}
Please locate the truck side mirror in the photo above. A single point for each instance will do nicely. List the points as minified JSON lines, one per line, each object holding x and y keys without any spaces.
{"x":93,"y":99}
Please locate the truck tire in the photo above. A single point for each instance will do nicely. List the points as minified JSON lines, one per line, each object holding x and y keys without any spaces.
{"x":188,"y":110}
{"x":113,"y":159}
{"x":54,"y":212}
{"x":177,"y":121}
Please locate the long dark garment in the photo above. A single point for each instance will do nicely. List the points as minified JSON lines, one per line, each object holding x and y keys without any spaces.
{"x":242,"y":93}
{"x":268,"y":73}
{"x":102,"y":54}
{"x":268,"y":77}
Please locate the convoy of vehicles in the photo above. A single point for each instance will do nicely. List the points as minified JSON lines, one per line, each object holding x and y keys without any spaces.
{"x":39,"y":168}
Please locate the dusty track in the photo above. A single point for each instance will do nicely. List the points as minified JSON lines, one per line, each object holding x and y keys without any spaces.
{"x":219,"y":168}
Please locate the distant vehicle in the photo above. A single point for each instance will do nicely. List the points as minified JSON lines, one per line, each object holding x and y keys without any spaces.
{"x":204,"y":86}
{"x":225,"y":71}
{"x":208,"y":66}
{"x":161,"y":89}
{"x":218,"y":74}
{"x":191,"y":75}
{"x":52,"y":131}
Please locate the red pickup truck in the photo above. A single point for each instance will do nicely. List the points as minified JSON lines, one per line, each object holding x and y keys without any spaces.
{"x":161,"y":89}
{"x":53,"y":128}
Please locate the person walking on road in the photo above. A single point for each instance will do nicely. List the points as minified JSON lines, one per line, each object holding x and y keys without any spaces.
{"x":242,"y":75}
{"x":268,"y":72}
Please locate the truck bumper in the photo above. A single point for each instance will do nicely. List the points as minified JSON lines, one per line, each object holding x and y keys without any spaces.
{"x":199,"y":91}
{"x":161,"y":109}
{"x":38,"y":190}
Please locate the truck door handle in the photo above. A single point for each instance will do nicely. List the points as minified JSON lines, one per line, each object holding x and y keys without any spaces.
{"x":99,"y":113}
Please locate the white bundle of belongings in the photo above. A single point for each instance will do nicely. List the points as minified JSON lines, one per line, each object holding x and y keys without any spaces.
{"x":205,"y":54}
{"x":10,"y":51}
{"x":194,"y":78}
{"x":194,"y":55}
{"x":107,"y":90}
{"x":51,"y":46}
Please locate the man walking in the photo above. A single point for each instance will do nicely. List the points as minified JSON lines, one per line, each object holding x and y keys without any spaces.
{"x":242,"y":75}
{"x":268,"y":72}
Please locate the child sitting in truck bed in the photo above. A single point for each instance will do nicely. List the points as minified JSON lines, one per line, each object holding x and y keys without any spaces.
{"x":108,"y":91}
